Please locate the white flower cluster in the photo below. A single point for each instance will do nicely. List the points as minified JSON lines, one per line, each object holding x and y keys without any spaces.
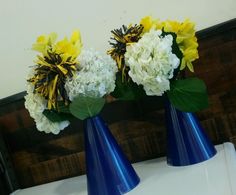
{"x":96,"y":75}
{"x":36,"y":105}
{"x":152,"y":62}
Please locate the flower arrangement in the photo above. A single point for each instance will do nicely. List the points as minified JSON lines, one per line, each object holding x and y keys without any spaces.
{"x":67,"y":81}
{"x":152,"y":58}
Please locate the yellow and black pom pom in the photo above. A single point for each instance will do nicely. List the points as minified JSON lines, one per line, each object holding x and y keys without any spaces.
{"x":121,"y":38}
{"x":57,"y":62}
{"x":50,"y":76}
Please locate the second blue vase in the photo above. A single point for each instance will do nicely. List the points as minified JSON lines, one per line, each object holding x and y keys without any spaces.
{"x":187,"y":141}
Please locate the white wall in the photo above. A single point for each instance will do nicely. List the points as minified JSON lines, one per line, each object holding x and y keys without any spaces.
{"x":21,"y":21}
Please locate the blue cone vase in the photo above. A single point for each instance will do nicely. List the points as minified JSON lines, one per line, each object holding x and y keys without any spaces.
{"x":108,"y":170}
{"x":187,"y":143}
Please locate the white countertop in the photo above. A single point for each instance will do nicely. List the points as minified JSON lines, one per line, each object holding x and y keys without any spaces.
{"x":216,"y":176}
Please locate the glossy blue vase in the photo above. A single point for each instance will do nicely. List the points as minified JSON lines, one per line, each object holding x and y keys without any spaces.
{"x":187,"y":142}
{"x":108,"y":170}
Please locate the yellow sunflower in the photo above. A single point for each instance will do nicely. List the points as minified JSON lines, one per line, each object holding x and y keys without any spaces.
{"x":186,"y":38}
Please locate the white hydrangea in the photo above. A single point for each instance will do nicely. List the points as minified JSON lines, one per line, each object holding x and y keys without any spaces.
{"x":36,"y":105}
{"x":152,"y":62}
{"x":96,"y":75}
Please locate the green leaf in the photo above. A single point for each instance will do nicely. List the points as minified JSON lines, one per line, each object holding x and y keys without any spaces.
{"x":127,"y":90}
{"x":55,"y":116}
{"x":85,"y":107}
{"x":188,"y":95}
{"x":61,"y":107}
